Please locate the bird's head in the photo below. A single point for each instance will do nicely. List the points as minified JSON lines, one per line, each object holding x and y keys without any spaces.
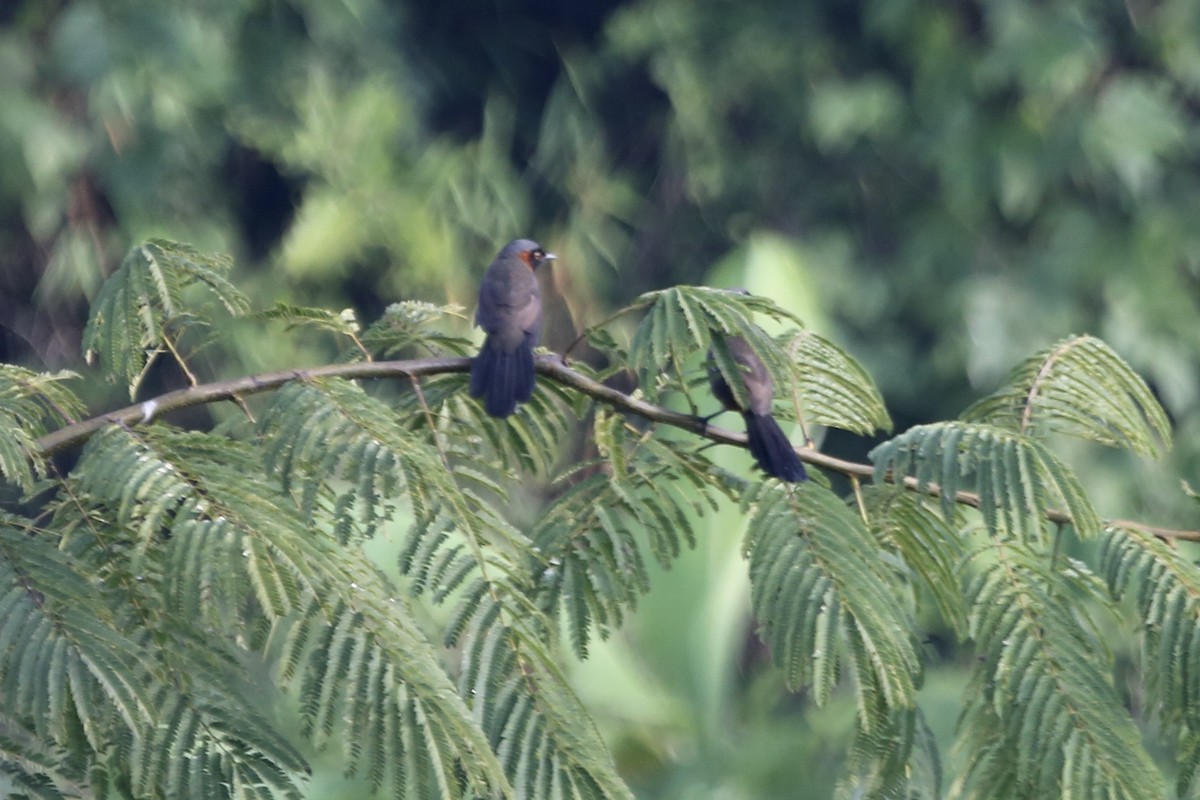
{"x":528,"y":251}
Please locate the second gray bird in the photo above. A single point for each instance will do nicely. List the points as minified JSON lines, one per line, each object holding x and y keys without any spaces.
{"x":768,"y":443}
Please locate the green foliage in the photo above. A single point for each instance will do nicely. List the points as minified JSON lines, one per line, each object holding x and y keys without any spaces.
{"x":344,"y":323}
{"x":31,"y":404}
{"x":637,"y":500}
{"x":530,"y":442}
{"x":1079,"y":387}
{"x":331,"y":430}
{"x":410,"y":324}
{"x":1043,"y":717}
{"x":209,"y":593}
{"x":1016,"y":478}
{"x":834,"y":389}
{"x":221,"y":548}
{"x":822,"y":380}
{"x":896,"y":758}
{"x":142,"y":309}
{"x":823,"y":598}
{"x":680,"y":322}
{"x":539,"y":730}
{"x":957,"y":185}
{"x":927,"y":545}
{"x":1165,"y":588}
{"x":325,"y":430}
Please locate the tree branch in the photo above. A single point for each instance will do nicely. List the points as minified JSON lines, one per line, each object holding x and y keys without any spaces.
{"x":203,"y":394}
{"x":549,"y":366}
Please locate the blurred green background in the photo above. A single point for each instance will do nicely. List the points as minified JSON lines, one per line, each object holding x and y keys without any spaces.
{"x":941,"y":187}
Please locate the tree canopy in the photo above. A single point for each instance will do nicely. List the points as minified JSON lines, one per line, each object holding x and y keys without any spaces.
{"x":968,"y":230}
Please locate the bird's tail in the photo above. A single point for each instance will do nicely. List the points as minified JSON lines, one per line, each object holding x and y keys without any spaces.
{"x":772,"y":450}
{"x":502,"y":377}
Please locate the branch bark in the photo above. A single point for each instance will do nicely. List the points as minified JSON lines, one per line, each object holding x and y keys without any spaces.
{"x":548,"y":366}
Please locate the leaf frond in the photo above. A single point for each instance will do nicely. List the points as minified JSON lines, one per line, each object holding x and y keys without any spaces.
{"x":930,"y":547}
{"x":62,"y":665}
{"x":1165,"y":588}
{"x":1017,"y":478}
{"x":131,"y":314}
{"x":371,"y":682}
{"x":638,"y":501}
{"x":680,"y":322}
{"x":530,"y":441}
{"x":30,"y":404}
{"x":538,"y":727}
{"x":412,"y":324}
{"x":822,"y":599}
{"x":897,"y":758}
{"x":1044,"y":719}
{"x":1079,"y":387}
{"x":833,"y":388}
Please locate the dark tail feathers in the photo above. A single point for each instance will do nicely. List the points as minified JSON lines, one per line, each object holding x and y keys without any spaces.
{"x":772,"y":450}
{"x":502,"y":378}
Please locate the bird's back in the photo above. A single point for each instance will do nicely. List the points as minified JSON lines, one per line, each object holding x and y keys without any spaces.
{"x":509,"y":299}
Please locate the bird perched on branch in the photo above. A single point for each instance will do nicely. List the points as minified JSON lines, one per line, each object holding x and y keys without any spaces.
{"x":510,"y":313}
{"x":768,"y":443}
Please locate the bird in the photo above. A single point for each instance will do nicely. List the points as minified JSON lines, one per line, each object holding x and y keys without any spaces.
{"x":768,"y":443}
{"x":510,"y":314}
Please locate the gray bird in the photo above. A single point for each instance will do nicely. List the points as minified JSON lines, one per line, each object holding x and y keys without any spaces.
{"x":768,"y":443}
{"x":510,"y":313}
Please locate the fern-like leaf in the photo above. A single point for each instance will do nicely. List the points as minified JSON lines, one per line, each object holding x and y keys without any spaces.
{"x":538,"y":727}
{"x":833,"y":387}
{"x":61,"y":665}
{"x":230,"y":747}
{"x":36,"y":770}
{"x":1044,"y":719}
{"x":530,"y":441}
{"x":342,"y":323}
{"x":1165,"y":587}
{"x":30,"y":403}
{"x":680,"y":322}
{"x":101,"y":693}
{"x":135,"y":307}
{"x":930,"y":548}
{"x":1082,"y":388}
{"x":232,"y":549}
{"x":639,"y":502}
{"x":821,"y":596}
{"x":370,"y":682}
{"x":1017,"y":478}
{"x":331,"y":429}
{"x":227,"y":530}
{"x":413,"y":324}
{"x":824,"y":382}
{"x":897,"y":759}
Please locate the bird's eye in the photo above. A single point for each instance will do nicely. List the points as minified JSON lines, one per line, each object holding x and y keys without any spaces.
{"x":538,"y":254}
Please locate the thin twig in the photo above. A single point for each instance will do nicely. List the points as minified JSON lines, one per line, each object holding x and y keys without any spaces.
{"x":241,"y":403}
{"x":433,"y":431}
{"x":611,"y":317}
{"x":179,"y":360}
{"x":859,"y":500}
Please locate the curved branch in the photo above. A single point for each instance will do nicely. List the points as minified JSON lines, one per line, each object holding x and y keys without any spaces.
{"x":549,"y":366}
{"x":205,"y":393}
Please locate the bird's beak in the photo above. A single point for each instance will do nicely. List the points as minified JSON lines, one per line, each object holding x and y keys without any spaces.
{"x":549,"y":257}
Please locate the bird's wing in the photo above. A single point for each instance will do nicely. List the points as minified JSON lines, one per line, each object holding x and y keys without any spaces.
{"x":756,"y":376}
{"x":510,"y":301}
